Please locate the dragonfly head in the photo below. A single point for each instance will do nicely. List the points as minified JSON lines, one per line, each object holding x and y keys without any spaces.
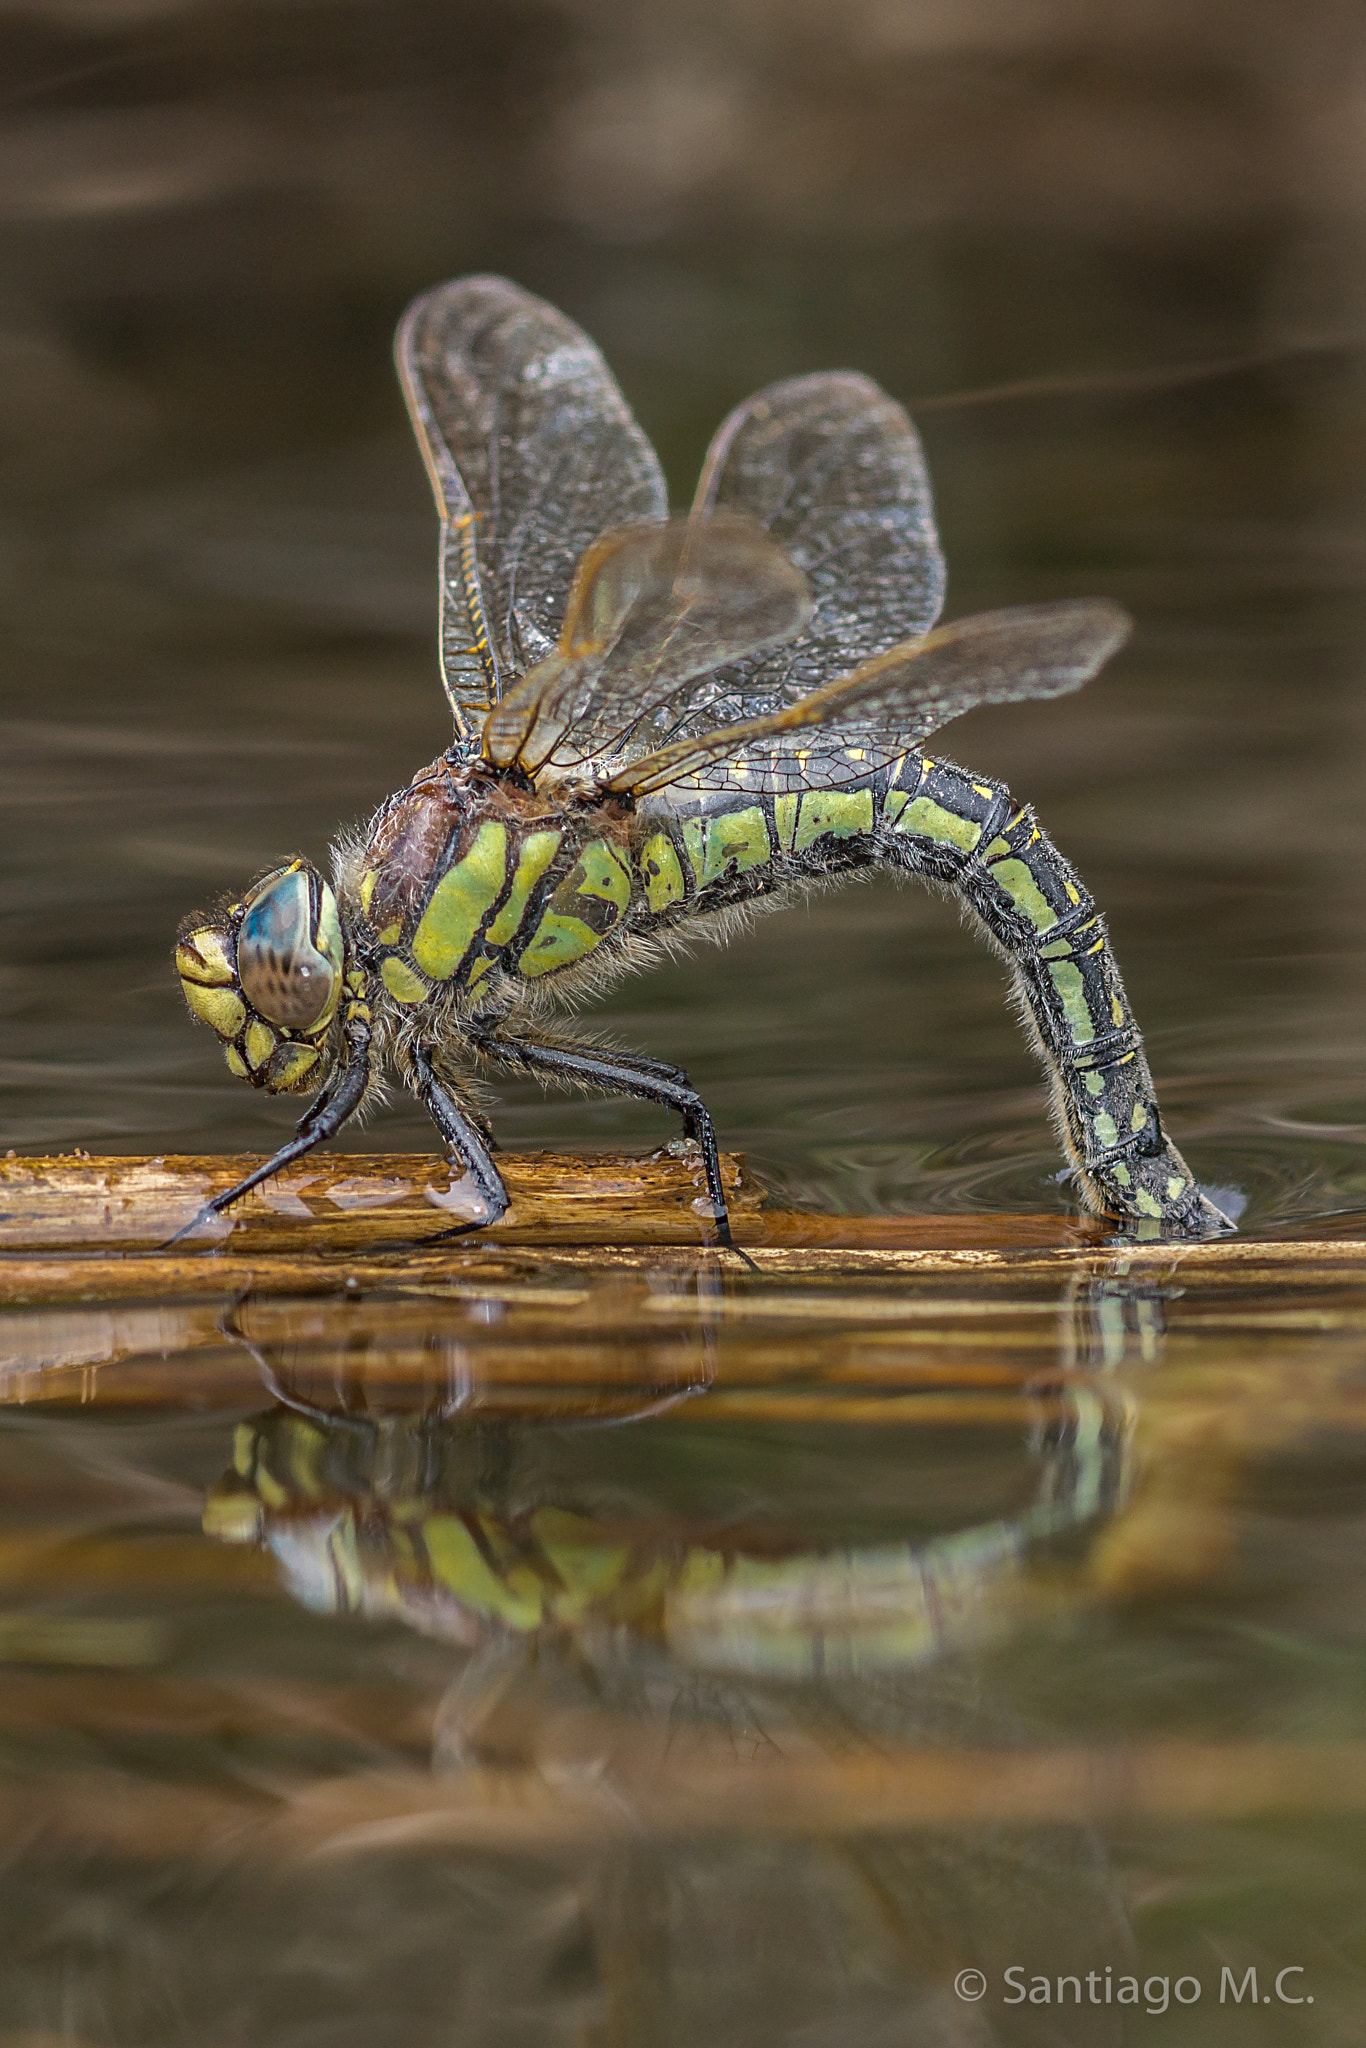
{"x":266,"y":974}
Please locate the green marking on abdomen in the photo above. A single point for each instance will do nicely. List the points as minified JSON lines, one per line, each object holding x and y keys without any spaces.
{"x":1024,"y":892}
{"x":589,"y":903}
{"x":661,"y":872}
{"x":785,"y":810}
{"x":834,"y":813}
{"x":734,"y":837}
{"x":538,"y":850}
{"x":459,"y":903}
{"x":1066,"y":977}
{"x":728,"y":840}
{"x":926,"y":819}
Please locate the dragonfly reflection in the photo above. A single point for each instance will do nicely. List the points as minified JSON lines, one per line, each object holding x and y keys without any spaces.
{"x":450,"y":1526}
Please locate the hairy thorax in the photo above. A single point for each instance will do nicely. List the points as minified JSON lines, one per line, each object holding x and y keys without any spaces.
{"x":468,"y":875}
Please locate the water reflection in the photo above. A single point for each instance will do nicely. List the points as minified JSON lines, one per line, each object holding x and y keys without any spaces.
{"x":463,"y":1532}
{"x":657,"y":1652}
{"x":640,"y":1585}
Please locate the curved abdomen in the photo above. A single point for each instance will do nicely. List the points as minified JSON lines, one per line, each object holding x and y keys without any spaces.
{"x":933,"y":819}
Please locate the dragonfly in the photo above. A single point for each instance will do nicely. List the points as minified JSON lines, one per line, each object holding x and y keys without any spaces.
{"x":661,"y":726}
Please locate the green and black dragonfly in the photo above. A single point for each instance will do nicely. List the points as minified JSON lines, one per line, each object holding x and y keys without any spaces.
{"x":661,"y":725}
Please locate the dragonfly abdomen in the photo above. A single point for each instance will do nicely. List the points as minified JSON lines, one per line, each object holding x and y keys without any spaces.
{"x":1036,"y":911}
{"x":933,"y":819}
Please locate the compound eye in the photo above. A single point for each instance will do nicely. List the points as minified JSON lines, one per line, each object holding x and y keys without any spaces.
{"x":284,"y":975}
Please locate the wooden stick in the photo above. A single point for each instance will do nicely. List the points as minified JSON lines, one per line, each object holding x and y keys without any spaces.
{"x":336,"y":1205}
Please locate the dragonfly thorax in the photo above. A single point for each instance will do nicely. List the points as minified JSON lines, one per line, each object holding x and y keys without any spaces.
{"x":472,"y":870}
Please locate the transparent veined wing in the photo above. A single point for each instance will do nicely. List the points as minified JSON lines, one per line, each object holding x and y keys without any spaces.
{"x":651,"y":607}
{"x":833,"y":469}
{"x":533,"y":453}
{"x":892,"y":702}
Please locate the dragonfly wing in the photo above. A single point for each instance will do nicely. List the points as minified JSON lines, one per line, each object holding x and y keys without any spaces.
{"x":533,"y":453}
{"x":833,"y":469}
{"x":890,"y":703}
{"x":651,"y":608}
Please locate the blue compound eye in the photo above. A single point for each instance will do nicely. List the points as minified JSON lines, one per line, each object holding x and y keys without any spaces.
{"x":288,"y":964}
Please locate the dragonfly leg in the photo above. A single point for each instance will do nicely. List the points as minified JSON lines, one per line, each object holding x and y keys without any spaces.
{"x":620,"y":1073}
{"x":464,"y":1141}
{"x":318,"y":1106}
{"x":337,"y":1104}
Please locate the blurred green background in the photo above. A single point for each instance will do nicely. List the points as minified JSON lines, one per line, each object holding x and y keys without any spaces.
{"x":1113,"y":259}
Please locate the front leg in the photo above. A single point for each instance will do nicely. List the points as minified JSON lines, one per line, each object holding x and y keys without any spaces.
{"x":618,"y":1073}
{"x":463,"y":1141}
{"x":335,"y":1106}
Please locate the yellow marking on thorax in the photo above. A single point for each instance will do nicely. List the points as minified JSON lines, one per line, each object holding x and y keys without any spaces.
{"x":459,"y":903}
{"x":538,"y":849}
{"x":515,"y":1596}
{"x":588,"y":904}
{"x":402,"y":984}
